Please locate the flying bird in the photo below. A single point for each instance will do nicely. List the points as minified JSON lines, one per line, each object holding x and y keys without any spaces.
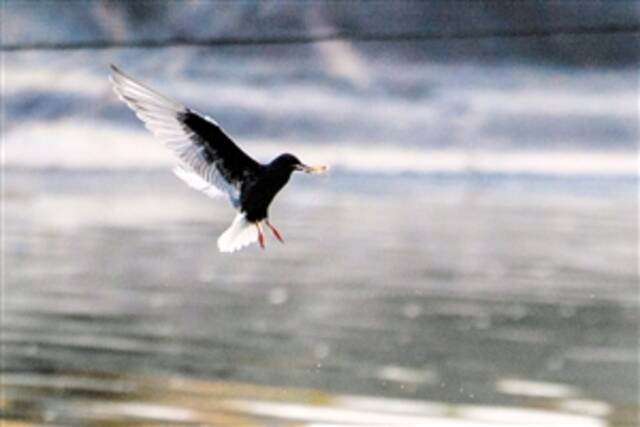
{"x":209,"y":161}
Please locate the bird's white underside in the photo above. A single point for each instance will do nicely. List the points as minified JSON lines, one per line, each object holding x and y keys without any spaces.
{"x":241,"y":233}
{"x":160,"y":116}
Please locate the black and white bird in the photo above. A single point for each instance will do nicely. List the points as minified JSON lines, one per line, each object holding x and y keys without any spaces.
{"x":209,"y":161}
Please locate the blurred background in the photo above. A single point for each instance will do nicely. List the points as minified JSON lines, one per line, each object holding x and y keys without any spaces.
{"x":471,"y":260}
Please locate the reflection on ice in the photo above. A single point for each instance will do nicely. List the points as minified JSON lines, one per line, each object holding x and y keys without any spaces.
{"x":183,"y":400}
{"x":520,"y":417}
{"x":110,"y":411}
{"x":603,"y":354}
{"x":588,"y":407}
{"x":536,"y":388}
{"x":387,"y":412}
{"x":406,"y":375}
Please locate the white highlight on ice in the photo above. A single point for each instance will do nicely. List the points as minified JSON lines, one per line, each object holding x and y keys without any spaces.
{"x":536,"y":388}
{"x":72,"y":145}
{"x":343,"y":413}
{"x":407,"y":375}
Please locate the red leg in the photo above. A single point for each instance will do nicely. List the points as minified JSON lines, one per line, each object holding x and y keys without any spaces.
{"x":274,"y":231}
{"x":260,"y":236}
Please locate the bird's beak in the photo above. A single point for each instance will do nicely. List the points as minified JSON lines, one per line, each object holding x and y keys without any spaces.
{"x":312,"y":169}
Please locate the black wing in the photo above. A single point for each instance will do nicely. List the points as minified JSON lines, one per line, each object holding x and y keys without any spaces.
{"x":209,"y":160}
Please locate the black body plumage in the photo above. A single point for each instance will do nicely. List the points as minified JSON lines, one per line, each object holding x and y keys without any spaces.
{"x":258,"y":183}
{"x":258,"y":193}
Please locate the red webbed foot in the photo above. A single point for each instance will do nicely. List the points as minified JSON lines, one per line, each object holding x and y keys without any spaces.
{"x":275,"y":231}
{"x":260,"y":236}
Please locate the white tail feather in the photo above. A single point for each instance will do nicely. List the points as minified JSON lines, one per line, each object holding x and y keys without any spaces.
{"x":241,"y":233}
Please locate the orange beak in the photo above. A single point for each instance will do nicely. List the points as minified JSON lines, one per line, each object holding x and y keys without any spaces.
{"x":313,"y":169}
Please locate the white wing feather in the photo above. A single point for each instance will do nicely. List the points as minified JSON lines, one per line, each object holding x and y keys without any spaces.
{"x":195,"y":181}
{"x":160,"y":115}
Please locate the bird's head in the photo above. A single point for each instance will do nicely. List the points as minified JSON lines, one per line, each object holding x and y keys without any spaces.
{"x":290,"y":163}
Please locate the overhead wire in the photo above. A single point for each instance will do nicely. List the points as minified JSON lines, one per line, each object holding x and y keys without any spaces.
{"x":326,"y":37}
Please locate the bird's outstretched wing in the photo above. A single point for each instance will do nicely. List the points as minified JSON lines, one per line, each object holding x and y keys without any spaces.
{"x":209,"y":160}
